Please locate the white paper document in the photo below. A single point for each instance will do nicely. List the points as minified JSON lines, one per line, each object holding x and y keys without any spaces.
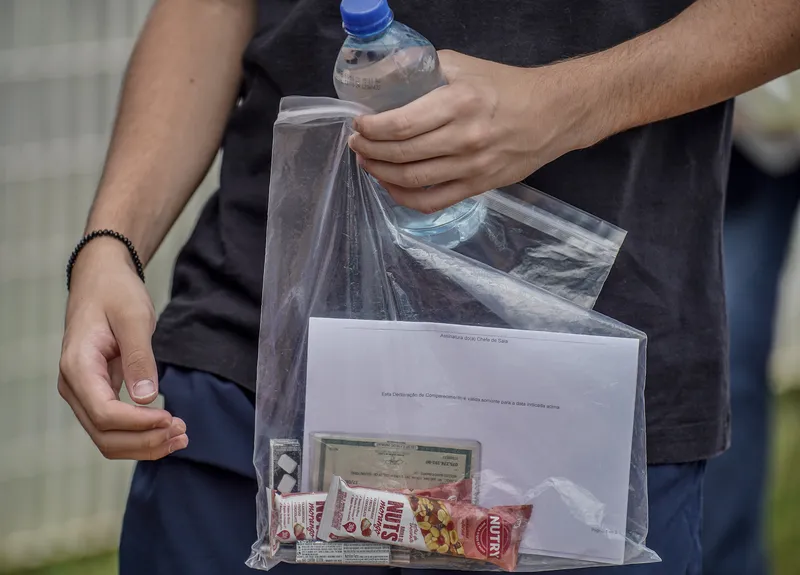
{"x":553,"y":414}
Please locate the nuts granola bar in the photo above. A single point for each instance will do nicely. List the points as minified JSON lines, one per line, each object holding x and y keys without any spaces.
{"x":446,"y":527}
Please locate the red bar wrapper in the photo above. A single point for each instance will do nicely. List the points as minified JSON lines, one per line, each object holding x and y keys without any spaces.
{"x":294,"y":517}
{"x":446,"y":527}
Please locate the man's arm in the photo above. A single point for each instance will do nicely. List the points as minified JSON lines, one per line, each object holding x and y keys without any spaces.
{"x":494,"y":125}
{"x":179,"y":89}
{"x":713,"y":51}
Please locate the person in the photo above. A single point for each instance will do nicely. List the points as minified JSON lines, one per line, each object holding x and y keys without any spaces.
{"x":620,"y":107}
{"x":762,"y":206}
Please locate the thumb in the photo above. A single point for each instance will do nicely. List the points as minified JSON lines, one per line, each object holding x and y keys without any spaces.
{"x":450,"y":63}
{"x":134,"y":332}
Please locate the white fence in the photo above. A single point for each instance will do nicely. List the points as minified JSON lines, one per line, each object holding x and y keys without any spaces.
{"x":61,"y":63}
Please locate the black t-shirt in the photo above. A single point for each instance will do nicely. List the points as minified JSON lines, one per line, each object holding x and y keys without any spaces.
{"x":664,"y":183}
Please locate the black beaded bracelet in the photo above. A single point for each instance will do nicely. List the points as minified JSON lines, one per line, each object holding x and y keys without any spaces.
{"x":111,"y":234}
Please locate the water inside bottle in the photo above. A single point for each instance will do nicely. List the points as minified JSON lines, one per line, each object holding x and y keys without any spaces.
{"x":388,"y":71}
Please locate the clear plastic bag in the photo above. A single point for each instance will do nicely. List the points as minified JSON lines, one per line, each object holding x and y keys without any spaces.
{"x":336,"y":266}
{"x":546,"y":242}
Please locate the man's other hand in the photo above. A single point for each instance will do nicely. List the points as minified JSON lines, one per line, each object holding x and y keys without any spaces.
{"x":107,"y":340}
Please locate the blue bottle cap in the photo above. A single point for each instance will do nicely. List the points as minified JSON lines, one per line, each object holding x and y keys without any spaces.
{"x":363,"y":18}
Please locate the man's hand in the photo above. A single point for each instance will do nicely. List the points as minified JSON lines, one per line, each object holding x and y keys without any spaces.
{"x":109,"y":323}
{"x":180,"y":87}
{"x":491,"y":126}
{"x":494,"y":125}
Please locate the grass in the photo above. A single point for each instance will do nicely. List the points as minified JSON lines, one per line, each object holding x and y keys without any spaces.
{"x":784,"y":519}
{"x":783,"y":525}
{"x":101,"y":565}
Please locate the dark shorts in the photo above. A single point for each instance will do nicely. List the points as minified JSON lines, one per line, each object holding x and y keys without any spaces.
{"x":193,"y":512}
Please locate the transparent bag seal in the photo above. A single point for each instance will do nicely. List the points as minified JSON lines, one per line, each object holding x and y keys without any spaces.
{"x":546,"y":242}
{"x":333,"y":253}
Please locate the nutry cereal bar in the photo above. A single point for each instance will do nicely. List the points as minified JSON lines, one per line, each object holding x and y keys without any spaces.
{"x":296,"y":516}
{"x":447,"y":527}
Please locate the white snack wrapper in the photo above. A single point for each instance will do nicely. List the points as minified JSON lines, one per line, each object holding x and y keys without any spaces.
{"x":369,"y":515}
{"x":294,"y":517}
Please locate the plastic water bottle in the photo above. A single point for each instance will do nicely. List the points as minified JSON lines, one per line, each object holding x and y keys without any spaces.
{"x":384,"y":64}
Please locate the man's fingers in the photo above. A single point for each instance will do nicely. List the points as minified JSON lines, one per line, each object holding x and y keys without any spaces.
{"x":139,"y":445}
{"x":422,"y":174}
{"x":427,"y":146}
{"x":115,"y":373}
{"x":84,"y":373}
{"x":143,"y":445}
{"x":423,"y":115}
{"x":114,"y":415}
{"x":158,"y":452}
{"x":133,"y":330}
{"x":430,"y":200}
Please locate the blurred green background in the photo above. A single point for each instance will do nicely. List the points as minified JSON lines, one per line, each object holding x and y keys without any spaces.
{"x":784,"y":513}
{"x":61,"y":63}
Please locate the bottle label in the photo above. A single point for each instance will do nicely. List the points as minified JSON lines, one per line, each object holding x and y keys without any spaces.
{"x":358,"y":82}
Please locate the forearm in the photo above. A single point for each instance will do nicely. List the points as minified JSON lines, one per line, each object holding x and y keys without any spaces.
{"x":179,"y":89}
{"x":714,"y":50}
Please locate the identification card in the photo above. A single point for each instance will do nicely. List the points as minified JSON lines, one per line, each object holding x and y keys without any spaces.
{"x":397,"y":463}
